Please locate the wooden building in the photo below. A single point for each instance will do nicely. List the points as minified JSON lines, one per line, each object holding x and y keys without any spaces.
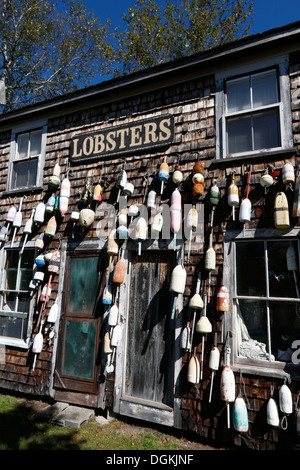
{"x":232,"y":112}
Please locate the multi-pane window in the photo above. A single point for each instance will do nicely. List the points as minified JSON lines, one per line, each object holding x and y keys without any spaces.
{"x":252,"y":116}
{"x":26,"y":155}
{"x":266,"y":298}
{"x":15,"y":296}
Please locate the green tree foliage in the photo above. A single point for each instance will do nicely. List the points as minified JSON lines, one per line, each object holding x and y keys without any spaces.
{"x":47,"y":51}
{"x":158,"y":32}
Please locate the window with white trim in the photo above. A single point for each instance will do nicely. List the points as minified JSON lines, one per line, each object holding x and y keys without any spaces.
{"x":253,"y":110}
{"x":15,"y":294}
{"x":266,"y":303}
{"x":26,"y":158}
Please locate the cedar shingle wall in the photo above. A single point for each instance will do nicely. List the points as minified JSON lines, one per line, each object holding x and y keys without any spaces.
{"x":192,"y":105}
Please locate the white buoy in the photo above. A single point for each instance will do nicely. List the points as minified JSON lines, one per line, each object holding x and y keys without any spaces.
{"x":27,"y":229}
{"x":192,"y":223}
{"x":17,"y":222}
{"x":193,"y":372}
{"x":141,"y":232}
{"x":53,"y":313}
{"x":213,"y":364}
{"x":227,"y":384}
{"x":177,"y":284}
{"x":116,"y":336}
{"x":113,"y":315}
{"x":175,"y":214}
{"x":272,"y":413}
{"x":39,"y":214}
{"x":121,"y":182}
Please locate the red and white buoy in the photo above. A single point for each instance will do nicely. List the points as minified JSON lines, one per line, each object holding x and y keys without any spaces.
{"x":175,"y":214}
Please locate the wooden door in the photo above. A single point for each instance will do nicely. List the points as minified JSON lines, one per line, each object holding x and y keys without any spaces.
{"x":77,"y":360}
{"x":149,"y":351}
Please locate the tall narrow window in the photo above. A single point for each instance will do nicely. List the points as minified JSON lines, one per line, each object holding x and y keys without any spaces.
{"x":15,"y":296}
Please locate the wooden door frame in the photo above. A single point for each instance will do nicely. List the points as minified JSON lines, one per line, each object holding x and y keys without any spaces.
{"x":70,"y":247}
{"x":160,"y":414}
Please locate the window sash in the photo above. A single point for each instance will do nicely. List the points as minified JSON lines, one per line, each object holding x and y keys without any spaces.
{"x":267,"y":299}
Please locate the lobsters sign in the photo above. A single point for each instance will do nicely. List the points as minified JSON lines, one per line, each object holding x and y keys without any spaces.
{"x":114,"y":140}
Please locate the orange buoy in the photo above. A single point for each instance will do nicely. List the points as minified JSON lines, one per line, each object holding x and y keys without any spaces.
{"x":119,"y":272}
{"x":223,"y":299}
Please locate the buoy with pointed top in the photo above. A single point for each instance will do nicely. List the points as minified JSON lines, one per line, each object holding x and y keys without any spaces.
{"x":240,"y":415}
{"x":39,"y":214}
{"x":177,"y":284}
{"x":193,"y":371}
{"x":281,"y":211}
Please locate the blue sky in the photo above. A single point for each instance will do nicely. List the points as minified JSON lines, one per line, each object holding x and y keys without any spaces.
{"x":268,"y":14}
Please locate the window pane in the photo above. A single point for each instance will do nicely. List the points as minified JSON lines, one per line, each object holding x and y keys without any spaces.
{"x":11,"y":279}
{"x":253,"y":329}
{"x":24,"y":173}
{"x":23,"y":145}
{"x":281,"y":280}
{"x":84,"y":285}
{"x":35,"y":143}
{"x":285,"y":328}
{"x":24,"y":303}
{"x":11,"y":327}
{"x":266,"y":130}
{"x":12,"y":259}
{"x":25,"y":278}
{"x":239,"y":134}
{"x":250,"y":269}
{"x":238,"y":95}
{"x":9,"y":302}
{"x":264,"y":89}
{"x":27,"y":259}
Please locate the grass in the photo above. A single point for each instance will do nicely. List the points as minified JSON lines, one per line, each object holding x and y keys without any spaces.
{"x":21,"y":429}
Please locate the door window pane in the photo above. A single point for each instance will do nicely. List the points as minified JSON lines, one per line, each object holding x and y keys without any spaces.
{"x":79,"y":348}
{"x":250,"y":269}
{"x":84,"y":283}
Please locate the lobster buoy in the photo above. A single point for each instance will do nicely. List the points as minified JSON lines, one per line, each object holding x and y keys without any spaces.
{"x":233,"y":196}
{"x":198,"y":168}
{"x":54,"y":180}
{"x":266,"y":180}
{"x":227,"y":384}
{"x":112,"y":246}
{"x":285,"y":400}
{"x":119,"y":272}
{"x":11,"y":214}
{"x":121,"y":182}
{"x":128,"y":189}
{"x":222,"y":299}
{"x":53,"y":313}
{"x":122,"y":217}
{"x":196,"y":302}
{"x":107,"y":349}
{"x":107,"y":295}
{"x":39,"y":276}
{"x":178,"y":279}
{"x":50,"y":204}
{"x":198,"y":189}
{"x":163,"y":174}
{"x":213,"y":364}
{"x":48,"y":256}
{"x":240,"y":415}
{"x":288,"y":175}
{"x":133,"y":210}
{"x":175,"y":215}
{"x":97,"y":196}
{"x":272,"y":413}
{"x":51,"y":227}
{"x":214,"y":195}
{"x":38,"y":343}
{"x":116,"y":336}
{"x":65,"y":192}
{"x":210,"y":259}
{"x":17,"y":222}
{"x":54,"y":262}
{"x":46,"y":293}
{"x":122,"y":232}
{"x":113,"y":315}
{"x":141,"y":232}
{"x":192,"y":223}
{"x":198,"y":178}
{"x":245,"y":211}
{"x":39,"y":214}
{"x":281,"y":211}
{"x":63,"y":205}
{"x":39,"y":243}
{"x":40,"y":260}
{"x":177,"y":176}
{"x":86,"y":217}
{"x":157,"y":222}
{"x":203,"y":325}
{"x":151,"y":199}
{"x":193,"y":371}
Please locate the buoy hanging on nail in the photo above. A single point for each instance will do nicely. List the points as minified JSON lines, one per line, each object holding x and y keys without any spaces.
{"x":175,"y":215}
{"x":17,"y":222}
{"x":50,"y":204}
{"x":86,"y":217}
{"x":163,"y":174}
{"x":141,"y":232}
{"x":222,"y":304}
{"x":192,"y":223}
{"x":240,"y":415}
{"x":65,"y":192}
{"x":288,"y":175}
{"x":54,"y":180}
{"x":281,"y":211}
{"x":233,"y":196}
{"x":177,"y":284}
{"x":39,"y":214}
{"x":39,"y":243}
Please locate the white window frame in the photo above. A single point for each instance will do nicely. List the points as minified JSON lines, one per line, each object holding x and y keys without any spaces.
{"x":16,"y":132}
{"x":23,"y":343}
{"x":281,"y":64}
{"x":230,"y":327}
